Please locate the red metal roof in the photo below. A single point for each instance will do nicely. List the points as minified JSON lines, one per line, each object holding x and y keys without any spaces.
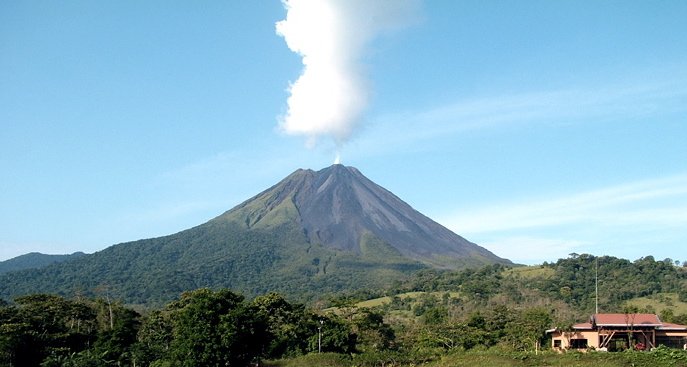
{"x":627,"y":320}
{"x":670,"y":326}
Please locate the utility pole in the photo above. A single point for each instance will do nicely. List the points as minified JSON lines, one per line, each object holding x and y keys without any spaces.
{"x":596,"y":277}
{"x":319,"y":336}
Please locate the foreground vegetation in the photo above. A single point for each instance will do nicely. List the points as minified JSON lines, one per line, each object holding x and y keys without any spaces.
{"x":661,"y":357}
{"x":494,"y":316}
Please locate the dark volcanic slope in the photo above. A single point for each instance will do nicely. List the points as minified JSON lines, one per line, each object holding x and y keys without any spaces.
{"x":338,"y":205}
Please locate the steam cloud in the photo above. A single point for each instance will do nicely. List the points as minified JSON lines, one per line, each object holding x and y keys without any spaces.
{"x":331,"y":36}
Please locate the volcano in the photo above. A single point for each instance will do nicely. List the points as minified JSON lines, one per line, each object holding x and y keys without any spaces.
{"x":338,"y":207}
{"x":315,"y":231}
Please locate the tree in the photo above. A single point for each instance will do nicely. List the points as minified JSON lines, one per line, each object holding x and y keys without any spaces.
{"x":528,"y":328}
{"x":117,"y":336}
{"x":498,"y":320}
{"x":15,"y":339}
{"x":373,"y":333}
{"x":214,"y":328}
{"x":49,"y":325}
{"x":154,"y":338}
{"x":337,"y":335}
{"x":287,"y":330}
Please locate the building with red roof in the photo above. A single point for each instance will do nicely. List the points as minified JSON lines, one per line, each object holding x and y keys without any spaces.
{"x":619,"y":331}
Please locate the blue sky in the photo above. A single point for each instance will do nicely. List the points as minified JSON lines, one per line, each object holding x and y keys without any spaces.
{"x":533,"y":128}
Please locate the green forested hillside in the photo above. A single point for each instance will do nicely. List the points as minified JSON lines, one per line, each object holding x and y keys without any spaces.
{"x":35,"y":260}
{"x":619,"y":280}
{"x":218,"y":254}
{"x":568,"y":284}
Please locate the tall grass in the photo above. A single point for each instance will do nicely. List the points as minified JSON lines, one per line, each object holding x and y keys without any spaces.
{"x":661,"y":357}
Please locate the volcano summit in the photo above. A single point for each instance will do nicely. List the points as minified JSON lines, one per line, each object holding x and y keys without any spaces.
{"x":314,"y":231}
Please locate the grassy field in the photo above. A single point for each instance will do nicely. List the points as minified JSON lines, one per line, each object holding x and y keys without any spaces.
{"x":409,"y":295}
{"x":535,"y":271}
{"x":658,"y":358}
{"x":659,"y":302}
{"x":384,"y":300}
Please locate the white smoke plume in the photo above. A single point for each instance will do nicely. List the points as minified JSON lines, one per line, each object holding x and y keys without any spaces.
{"x":332,"y":37}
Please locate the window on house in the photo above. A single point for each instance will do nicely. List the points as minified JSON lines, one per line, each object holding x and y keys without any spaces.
{"x":578,"y":343}
{"x":557,"y":343}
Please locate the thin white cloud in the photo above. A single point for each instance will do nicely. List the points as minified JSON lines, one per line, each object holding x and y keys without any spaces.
{"x":629,"y":221}
{"x":591,"y":104}
{"x":651,"y":203}
{"x":532,"y":250}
